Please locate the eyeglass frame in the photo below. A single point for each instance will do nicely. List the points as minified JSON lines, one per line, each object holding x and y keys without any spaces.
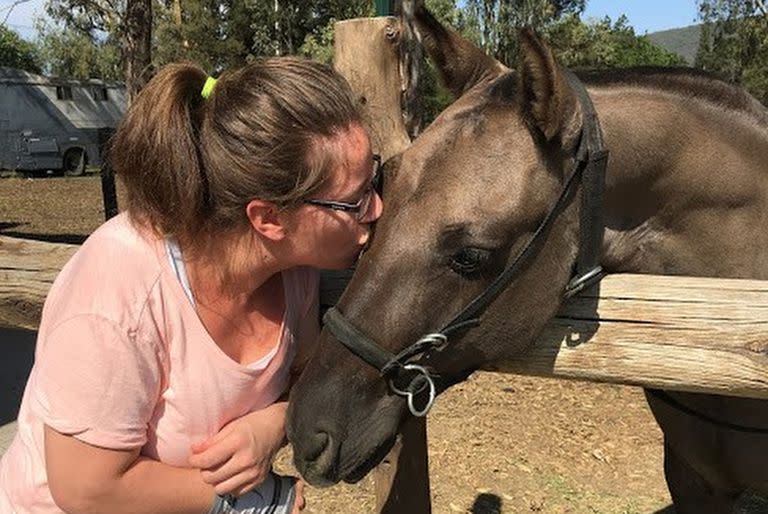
{"x":374,"y":187}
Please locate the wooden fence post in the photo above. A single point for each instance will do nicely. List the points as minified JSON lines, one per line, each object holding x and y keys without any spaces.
{"x":367,"y":53}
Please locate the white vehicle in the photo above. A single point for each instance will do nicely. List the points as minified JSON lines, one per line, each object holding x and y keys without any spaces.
{"x":55,"y":124}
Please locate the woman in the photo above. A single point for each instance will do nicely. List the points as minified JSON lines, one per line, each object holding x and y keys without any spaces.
{"x":166,"y":342}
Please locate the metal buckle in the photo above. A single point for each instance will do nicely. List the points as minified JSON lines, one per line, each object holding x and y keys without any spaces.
{"x":410,"y":394}
{"x":586,"y":280}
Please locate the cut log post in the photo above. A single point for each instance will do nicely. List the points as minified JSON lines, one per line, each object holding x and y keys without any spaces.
{"x":367,"y":53}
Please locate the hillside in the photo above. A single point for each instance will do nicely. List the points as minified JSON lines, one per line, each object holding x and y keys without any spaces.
{"x":683,"y":41}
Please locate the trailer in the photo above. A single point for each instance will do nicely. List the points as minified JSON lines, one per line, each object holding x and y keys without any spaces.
{"x":48,"y":123}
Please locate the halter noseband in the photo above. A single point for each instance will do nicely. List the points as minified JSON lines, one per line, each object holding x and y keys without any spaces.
{"x":406,"y":376}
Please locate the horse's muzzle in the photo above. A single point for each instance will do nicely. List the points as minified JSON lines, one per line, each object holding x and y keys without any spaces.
{"x":316,"y":457}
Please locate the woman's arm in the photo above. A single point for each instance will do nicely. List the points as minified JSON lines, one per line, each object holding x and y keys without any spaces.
{"x":86,"y":479}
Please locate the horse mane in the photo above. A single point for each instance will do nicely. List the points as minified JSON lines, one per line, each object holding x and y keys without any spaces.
{"x":686,"y":82}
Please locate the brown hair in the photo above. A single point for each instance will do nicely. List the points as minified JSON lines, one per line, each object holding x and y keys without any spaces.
{"x":190,"y":165}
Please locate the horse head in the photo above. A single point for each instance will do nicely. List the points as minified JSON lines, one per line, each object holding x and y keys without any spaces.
{"x":461,"y":204}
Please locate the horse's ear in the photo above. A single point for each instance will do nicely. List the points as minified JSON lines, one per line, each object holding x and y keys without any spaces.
{"x":543,"y":92}
{"x":461,"y":64}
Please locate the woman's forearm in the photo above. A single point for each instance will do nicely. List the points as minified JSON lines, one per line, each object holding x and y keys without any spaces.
{"x":152,"y":487}
{"x":86,"y":479}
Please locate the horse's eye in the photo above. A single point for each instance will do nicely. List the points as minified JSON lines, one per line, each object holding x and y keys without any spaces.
{"x":468,"y":261}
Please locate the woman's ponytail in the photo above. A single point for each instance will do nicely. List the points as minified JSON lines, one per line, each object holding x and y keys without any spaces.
{"x":156,"y":152}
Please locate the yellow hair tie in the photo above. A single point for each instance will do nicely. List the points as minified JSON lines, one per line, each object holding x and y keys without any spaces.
{"x":210,"y":82}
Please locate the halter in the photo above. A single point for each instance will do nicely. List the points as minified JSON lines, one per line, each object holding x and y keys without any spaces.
{"x":405,"y":372}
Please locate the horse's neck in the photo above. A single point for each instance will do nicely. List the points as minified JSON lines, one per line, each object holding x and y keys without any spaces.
{"x":686,"y":188}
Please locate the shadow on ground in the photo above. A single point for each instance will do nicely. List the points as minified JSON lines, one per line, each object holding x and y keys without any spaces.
{"x":18,"y":348}
{"x":486,"y":504}
{"x":669,"y":509}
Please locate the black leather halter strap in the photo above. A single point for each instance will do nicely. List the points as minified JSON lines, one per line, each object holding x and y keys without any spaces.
{"x":589,"y":170}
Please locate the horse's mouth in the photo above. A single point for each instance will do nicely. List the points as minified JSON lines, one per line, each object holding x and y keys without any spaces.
{"x":361,"y":470}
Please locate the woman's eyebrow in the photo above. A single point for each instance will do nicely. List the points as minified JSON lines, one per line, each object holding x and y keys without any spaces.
{"x":361,"y":188}
{"x":357,"y":195}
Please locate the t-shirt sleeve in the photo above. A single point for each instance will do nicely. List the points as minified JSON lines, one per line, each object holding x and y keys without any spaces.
{"x":97,"y":381}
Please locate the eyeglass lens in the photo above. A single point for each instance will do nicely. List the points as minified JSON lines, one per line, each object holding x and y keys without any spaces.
{"x":375,"y":187}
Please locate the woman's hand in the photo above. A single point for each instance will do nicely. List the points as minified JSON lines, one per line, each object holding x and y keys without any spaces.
{"x":240,"y":456}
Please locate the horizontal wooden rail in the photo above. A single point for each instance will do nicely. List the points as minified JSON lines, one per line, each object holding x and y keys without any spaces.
{"x":681,"y":333}
{"x":27,"y":270}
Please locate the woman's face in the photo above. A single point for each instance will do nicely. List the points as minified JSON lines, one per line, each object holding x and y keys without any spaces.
{"x":333,"y":239}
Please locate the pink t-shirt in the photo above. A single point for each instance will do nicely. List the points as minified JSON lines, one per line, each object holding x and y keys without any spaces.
{"x":123,"y":361}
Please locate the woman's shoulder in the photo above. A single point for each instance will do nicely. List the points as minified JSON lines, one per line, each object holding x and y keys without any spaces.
{"x":122,"y":249}
{"x":112,"y":274}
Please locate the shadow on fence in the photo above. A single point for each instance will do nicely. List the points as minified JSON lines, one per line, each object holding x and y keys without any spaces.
{"x":11,"y":230}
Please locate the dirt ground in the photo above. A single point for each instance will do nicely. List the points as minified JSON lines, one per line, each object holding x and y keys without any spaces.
{"x":498,"y":443}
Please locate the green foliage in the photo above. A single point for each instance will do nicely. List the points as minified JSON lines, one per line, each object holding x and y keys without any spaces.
{"x":76,"y":55}
{"x":214,"y":35}
{"x":89,"y":16}
{"x":83,"y":39}
{"x":600,"y":44}
{"x":319,"y":45}
{"x":220,"y":34}
{"x":17,"y":53}
{"x":603,"y":44}
{"x":734,"y":43}
{"x":495,"y":23}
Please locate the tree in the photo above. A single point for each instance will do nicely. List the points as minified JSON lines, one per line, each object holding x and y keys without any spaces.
{"x":603,"y":44}
{"x":734,"y":42}
{"x":228,"y":33}
{"x":496,"y":22}
{"x":17,"y":53}
{"x":126,"y":22}
{"x":72,"y":54}
{"x":137,"y":45}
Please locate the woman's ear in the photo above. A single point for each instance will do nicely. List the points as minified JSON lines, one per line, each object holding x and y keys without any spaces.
{"x":266,"y":219}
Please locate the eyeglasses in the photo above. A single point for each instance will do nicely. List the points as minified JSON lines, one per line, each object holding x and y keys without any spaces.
{"x":363,"y":205}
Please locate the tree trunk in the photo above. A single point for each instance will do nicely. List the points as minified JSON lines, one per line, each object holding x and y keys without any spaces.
{"x":178,"y":19}
{"x":137,"y":46}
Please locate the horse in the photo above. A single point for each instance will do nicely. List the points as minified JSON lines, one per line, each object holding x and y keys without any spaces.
{"x":488,"y":188}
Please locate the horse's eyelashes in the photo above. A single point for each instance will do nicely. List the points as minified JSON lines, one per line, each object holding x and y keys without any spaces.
{"x":468,"y":261}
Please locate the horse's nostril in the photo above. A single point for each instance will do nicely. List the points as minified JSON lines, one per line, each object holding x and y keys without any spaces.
{"x":318,"y":445}
{"x":316,"y":459}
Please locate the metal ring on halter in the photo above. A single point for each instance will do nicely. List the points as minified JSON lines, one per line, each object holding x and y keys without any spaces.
{"x":409,"y":395}
{"x":439,"y":340}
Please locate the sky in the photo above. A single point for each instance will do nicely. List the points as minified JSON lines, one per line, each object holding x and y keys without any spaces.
{"x":644,"y":15}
